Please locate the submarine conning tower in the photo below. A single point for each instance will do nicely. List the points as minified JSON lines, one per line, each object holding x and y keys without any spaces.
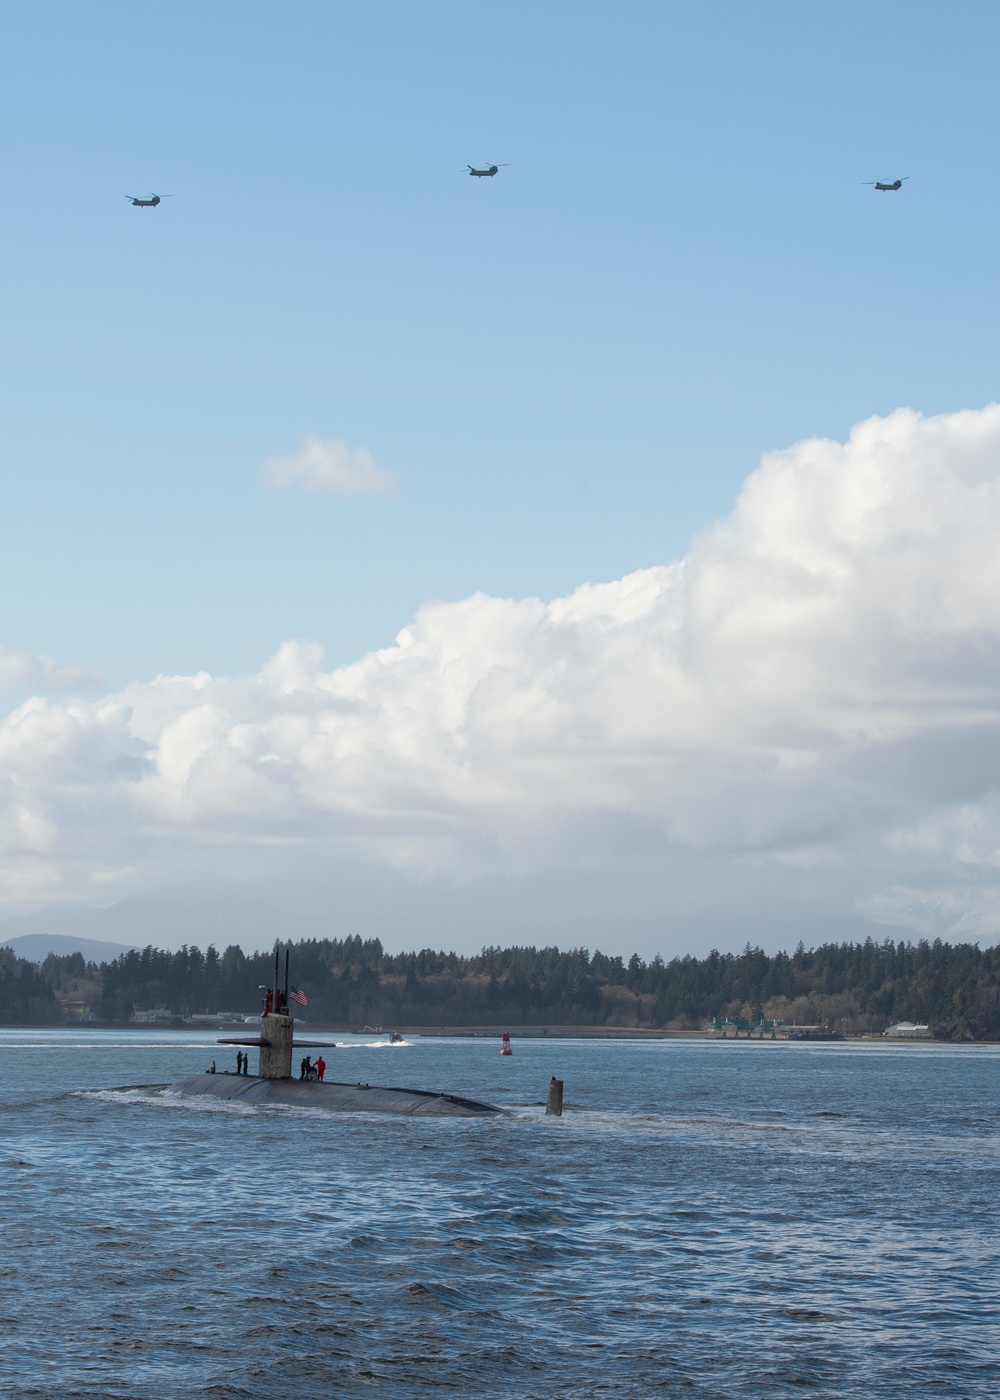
{"x":276,"y":1046}
{"x":277,"y":1031}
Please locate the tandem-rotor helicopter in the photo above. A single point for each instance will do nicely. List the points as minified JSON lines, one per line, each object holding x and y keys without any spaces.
{"x":490,"y":169}
{"x":149,"y":203}
{"x":886,"y":184}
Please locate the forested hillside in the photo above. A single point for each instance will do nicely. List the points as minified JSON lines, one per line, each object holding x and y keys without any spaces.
{"x":350,"y":983}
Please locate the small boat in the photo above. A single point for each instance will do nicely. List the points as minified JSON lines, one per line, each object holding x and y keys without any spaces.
{"x":505,"y":1044}
{"x":395,"y":1038}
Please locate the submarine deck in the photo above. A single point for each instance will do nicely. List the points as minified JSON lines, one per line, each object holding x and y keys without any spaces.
{"x":333,"y":1097}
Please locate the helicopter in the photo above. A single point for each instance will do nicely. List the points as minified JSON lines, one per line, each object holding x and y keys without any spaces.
{"x":150,"y":203}
{"x":886,"y":184}
{"x":490,"y":170}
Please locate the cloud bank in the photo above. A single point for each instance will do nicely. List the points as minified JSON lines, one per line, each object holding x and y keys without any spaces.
{"x":330,"y":466}
{"x":808,"y":705}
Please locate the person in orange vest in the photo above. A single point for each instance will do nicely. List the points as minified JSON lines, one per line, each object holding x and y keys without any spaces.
{"x":320,"y":1068}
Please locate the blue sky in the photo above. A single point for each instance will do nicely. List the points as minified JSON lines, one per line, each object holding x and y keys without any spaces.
{"x":569,"y":370}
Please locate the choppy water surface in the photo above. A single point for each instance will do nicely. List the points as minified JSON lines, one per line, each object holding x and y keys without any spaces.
{"x":707,"y":1219}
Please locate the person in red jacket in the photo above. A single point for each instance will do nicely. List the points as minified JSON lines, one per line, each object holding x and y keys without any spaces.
{"x":320,"y":1068}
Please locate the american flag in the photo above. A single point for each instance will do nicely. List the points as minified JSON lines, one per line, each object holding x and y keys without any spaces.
{"x":300,"y":997}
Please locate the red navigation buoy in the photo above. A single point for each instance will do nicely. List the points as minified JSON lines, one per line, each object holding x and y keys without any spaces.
{"x":505,"y":1045}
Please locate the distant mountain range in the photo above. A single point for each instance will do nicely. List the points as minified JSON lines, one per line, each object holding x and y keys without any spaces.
{"x":36,"y":947}
{"x":134,"y":923}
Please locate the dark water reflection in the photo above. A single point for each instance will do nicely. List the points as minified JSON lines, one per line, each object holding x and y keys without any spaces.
{"x":707,"y":1219}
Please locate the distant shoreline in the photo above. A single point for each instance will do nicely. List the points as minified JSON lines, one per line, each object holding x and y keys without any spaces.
{"x":517,"y":1033}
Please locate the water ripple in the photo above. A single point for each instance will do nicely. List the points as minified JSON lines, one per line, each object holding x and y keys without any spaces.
{"x":704,"y":1221}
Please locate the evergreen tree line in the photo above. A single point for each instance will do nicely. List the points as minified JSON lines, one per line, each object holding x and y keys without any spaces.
{"x":351,"y":982}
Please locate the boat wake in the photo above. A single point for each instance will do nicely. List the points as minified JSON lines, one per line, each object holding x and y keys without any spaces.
{"x":373,"y":1044}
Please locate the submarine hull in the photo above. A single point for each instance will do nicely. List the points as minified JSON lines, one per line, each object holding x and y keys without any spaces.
{"x":332,"y":1097}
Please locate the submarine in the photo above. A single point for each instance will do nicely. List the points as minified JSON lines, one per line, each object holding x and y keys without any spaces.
{"x":273,"y":1082}
{"x":333,"y":1098}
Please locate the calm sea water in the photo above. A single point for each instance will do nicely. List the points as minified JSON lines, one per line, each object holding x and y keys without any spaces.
{"x":708,"y":1219}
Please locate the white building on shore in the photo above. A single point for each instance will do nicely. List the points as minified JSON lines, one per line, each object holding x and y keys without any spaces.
{"x":154,"y":1016}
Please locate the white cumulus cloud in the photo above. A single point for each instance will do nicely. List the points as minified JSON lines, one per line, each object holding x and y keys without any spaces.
{"x":330,"y":466}
{"x":806,"y":707}
{"x":21,"y":671}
